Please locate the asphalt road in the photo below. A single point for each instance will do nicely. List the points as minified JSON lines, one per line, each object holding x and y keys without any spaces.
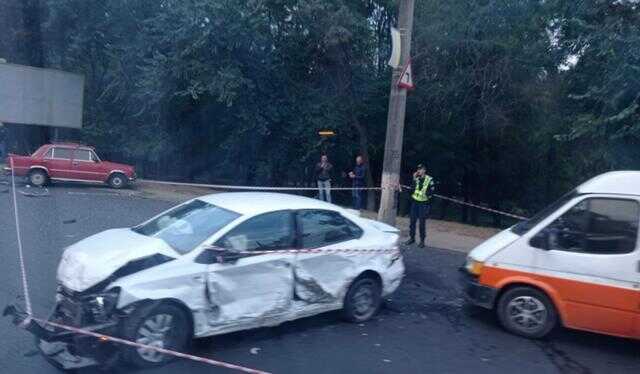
{"x":423,"y":328}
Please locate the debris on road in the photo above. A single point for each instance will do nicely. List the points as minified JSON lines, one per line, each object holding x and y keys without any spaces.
{"x":255,"y":350}
{"x":34,"y":192}
{"x":66,"y":222}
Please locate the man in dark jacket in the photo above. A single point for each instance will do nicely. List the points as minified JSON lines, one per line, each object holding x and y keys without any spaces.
{"x":323,"y":176}
{"x":358,"y":176}
{"x":422,"y":189}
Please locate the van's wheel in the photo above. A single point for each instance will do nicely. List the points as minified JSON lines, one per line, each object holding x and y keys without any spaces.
{"x":38,"y":178}
{"x":527,"y":312}
{"x":362,"y":300}
{"x":117,"y":180}
{"x":163,"y":326}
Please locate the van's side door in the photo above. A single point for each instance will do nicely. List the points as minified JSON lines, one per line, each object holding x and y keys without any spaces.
{"x":590,"y":258}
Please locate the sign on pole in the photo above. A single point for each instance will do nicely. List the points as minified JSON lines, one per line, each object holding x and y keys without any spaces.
{"x":406,"y":79}
{"x":396,"y":46}
{"x":35,"y":96}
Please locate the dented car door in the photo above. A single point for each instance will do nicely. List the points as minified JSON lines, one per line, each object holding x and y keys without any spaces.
{"x":249,"y":283}
{"x":322,"y":277}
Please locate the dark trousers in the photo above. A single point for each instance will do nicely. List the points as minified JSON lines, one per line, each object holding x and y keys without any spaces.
{"x":419,"y":211}
{"x":358,"y":198}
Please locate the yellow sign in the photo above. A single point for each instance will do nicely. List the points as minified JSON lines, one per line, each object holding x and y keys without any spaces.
{"x":326,"y":133}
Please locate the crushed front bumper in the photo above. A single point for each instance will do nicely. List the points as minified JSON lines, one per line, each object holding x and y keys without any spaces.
{"x":66,"y":349}
{"x":476,"y":293}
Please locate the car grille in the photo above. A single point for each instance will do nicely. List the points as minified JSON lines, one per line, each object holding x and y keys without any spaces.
{"x":70,"y":310}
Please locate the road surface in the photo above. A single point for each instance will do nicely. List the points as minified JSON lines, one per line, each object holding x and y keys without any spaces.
{"x":423,"y":328}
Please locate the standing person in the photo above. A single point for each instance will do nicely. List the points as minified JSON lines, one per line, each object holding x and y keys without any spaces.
{"x":420,"y":204}
{"x":323,"y":176}
{"x":358,"y":176}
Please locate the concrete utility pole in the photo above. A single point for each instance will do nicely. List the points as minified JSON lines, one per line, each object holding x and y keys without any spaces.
{"x":395,"y":120}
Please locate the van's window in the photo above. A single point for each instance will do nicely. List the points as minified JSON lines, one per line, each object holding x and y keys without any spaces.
{"x":524,"y":226}
{"x":322,"y":227}
{"x":269,"y":231}
{"x":598,"y":225}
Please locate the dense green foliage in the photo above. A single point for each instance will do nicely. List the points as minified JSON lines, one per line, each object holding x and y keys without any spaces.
{"x":516,"y":101}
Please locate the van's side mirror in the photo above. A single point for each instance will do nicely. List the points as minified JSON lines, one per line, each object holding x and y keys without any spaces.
{"x":541,"y":240}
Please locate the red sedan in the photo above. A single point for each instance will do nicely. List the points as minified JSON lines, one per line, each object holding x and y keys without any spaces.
{"x":70,"y":162}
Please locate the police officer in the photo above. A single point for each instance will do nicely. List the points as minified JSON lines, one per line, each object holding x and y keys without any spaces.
{"x":420,"y":203}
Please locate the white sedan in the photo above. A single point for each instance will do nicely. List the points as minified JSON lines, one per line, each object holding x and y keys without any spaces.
{"x":216,"y":264}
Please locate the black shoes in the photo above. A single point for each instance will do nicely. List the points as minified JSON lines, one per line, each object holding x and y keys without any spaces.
{"x":412,"y":240}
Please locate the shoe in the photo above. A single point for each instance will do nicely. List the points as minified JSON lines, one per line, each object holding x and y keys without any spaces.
{"x":410,"y":241}
{"x":421,"y":245}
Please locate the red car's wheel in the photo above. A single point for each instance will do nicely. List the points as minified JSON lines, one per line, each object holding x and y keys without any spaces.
{"x":38,"y":177}
{"x":117,"y":180}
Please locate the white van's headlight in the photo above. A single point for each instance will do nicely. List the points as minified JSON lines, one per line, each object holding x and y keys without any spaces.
{"x":474,"y":267}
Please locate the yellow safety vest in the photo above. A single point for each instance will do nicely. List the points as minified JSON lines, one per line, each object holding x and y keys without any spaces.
{"x":421,"y":194}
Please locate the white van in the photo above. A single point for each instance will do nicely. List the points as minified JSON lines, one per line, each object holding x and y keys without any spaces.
{"x":576,"y":263}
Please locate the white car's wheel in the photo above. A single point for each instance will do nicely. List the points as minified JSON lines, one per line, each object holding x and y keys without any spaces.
{"x":363,"y":299}
{"x":164,"y":326}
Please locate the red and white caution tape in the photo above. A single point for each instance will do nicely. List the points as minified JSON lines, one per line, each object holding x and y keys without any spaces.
{"x":480,"y":207}
{"x":461,"y":202}
{"x":321,"y":250}
{"x":257,"y":188}
{"x":107,"y":338}
{"x":272,"y":188}
{"x":23,"y":270}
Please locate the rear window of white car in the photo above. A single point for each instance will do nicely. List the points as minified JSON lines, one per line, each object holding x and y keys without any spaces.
{"x":265,"y":232}
{"x":319,"y":228}
{"x":188,"y":225}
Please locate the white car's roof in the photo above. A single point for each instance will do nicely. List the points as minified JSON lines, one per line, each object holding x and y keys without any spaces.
{"x":615,"y":182}
{"x":259,"y":202}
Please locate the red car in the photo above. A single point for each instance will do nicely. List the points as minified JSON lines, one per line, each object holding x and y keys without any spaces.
{"x":69,"y":162}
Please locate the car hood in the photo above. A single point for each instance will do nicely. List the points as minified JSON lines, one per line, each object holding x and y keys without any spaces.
{"x":95,"y":258}
{"x":492,"y":245}
{"x":115,"y":166}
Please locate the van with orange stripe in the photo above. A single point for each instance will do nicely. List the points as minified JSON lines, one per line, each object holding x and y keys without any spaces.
{"x":576,"y":263}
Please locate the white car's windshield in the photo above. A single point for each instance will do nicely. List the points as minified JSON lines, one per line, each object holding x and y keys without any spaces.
{"x":187,"y":225}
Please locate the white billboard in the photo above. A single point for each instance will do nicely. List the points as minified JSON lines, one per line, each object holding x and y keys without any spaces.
{"x":35,"y":96}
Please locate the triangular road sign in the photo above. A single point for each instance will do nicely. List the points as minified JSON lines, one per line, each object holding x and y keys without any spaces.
{"x":406,"y":79}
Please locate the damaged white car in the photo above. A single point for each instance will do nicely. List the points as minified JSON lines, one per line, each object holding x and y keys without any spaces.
{"x":213,"y":265}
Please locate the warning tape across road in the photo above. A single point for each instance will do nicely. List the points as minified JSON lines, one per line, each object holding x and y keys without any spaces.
{"x":272,"y":188}
{"x":256,"y":188}
{"x":108,"y":338}
{"x":480,"y":207}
